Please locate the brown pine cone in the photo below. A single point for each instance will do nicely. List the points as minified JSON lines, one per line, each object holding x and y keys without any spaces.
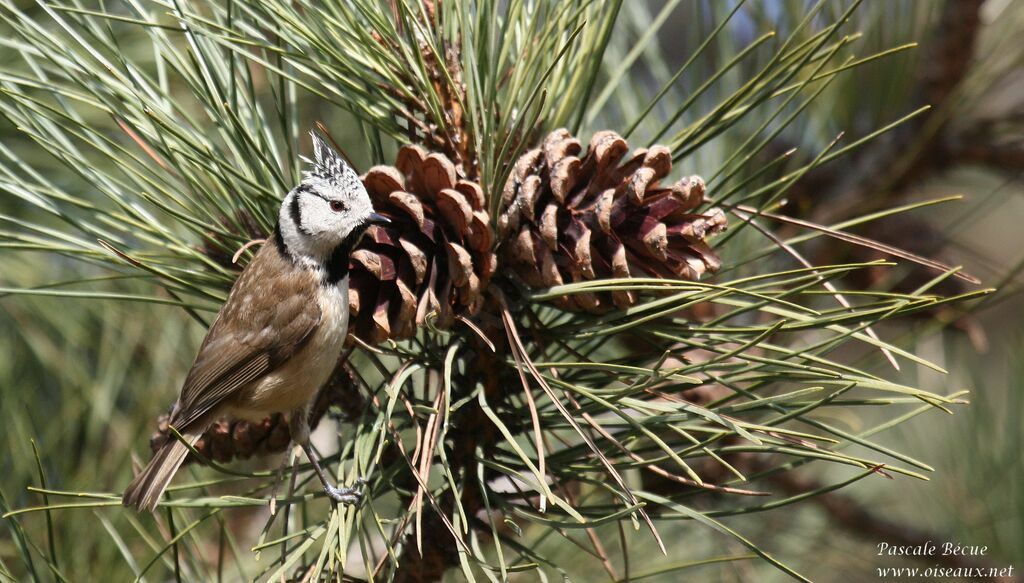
{"x":570,"y":218}
{"x":435,"y":255}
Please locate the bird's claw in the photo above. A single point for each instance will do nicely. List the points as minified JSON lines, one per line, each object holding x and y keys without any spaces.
{"x":350,"y":495}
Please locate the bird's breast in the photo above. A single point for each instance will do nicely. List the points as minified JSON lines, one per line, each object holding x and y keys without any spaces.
{"x":295,"y":383}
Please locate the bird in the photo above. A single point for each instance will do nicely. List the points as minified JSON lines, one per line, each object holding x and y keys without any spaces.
{"x":282,"y":329}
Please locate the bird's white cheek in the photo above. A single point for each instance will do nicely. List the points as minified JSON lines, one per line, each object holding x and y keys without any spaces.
{"x":332,"y":230}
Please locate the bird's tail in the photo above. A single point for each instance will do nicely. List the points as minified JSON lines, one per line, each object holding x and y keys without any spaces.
{"x":146,"y":489}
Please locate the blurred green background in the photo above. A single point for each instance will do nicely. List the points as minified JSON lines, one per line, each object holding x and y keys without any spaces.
{"x":81,"y":380}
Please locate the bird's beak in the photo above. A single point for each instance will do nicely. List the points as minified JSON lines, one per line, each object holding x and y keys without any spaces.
{"x":377,"y":219}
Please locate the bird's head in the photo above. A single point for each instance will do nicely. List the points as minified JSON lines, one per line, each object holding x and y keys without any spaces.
{"x":328,"y":209}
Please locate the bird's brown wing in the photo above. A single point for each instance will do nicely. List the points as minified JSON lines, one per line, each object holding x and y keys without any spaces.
{"x":271,"y":312}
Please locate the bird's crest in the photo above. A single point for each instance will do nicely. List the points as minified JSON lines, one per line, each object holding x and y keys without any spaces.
{"x":327,"y":164}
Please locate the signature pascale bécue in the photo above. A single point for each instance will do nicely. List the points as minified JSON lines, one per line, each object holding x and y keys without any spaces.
{"x":280,"y":333}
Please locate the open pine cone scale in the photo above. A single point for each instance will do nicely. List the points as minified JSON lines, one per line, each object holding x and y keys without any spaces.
{"x":435,"y":257}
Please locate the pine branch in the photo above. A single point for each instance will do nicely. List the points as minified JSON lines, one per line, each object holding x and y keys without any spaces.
{"x":985,"y":144}
{"x":916,"y":149}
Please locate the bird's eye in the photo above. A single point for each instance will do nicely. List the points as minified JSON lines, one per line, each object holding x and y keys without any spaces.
{"x":337,"y":206}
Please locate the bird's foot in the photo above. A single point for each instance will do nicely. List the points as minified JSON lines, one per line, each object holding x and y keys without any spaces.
{"x":349,"y":495}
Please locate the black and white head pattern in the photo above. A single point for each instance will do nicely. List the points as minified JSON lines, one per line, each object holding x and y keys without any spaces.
{"x":328,"y":211}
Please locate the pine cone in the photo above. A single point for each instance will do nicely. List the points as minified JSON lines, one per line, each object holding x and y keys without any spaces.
{"x":570,"y":218}
{"x":435,"y":256}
